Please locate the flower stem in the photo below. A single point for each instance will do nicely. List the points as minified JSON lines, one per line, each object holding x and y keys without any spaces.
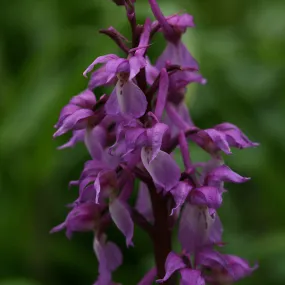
{"x":162,"y":232}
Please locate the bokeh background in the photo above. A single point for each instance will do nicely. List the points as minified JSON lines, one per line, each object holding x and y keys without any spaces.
{"x":44,"y":47}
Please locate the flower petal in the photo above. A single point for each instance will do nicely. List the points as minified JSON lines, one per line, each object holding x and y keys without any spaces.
{"x":173,"y":263}
{"x":143,"y":203}
{"x":216,"y":230}
{"x":136,"y":62}
{"x":191,"y":277}
{"x":207,"y":196}
{"x":149,"y":277}
{"x":163,"y":169}
{"x":77,"y":136}
{"x":194,"y":227}
{"x":109,"y":257}
{"x":162,"y":93}
{"x":181,"y":21}
{"x":155,"y":136}
{"x":210,"y":258}
{"x":239,"y":267}
{"x":94,"y":141}
{"x":144,"y":39}
{"x":122,"y":218}
{"x":177,"y":53}
{"x":131,"y":99}
{"x":112,"y":105}
{"x":235,"y":136}
{"x":151,"y":72}
{"x":81,"y":218}
{"x":85,"y":99}
{"x":223,"y":173}
{"x":100,"y":78}
{"x":100,"y":59}
{"x":77,"y":120}
{"x":180,"y":193}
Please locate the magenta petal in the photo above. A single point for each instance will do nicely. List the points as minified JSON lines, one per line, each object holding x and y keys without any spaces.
{"x":176,"y":54}
{"x":100,"y":78}
{"x":181,"y":21}
{"x":80,"y":219}
{"x":162,"y":93}
{"x":122,"y":218}
{"x":235,"y":136}
{"x":155,"y":136}
{"x":112,"y":66}
{"x":131,"y":99}
{"x":77,"y":136}
{"x":102,"y":176}
{"x":225,"y":174}
{"x":144,"y":39}
{"x":207,"y":196}
{"x":100,"y":59}
{"x":151,"y":72}
{"x":136,"y":64}
{"x":58,"y":228}
{"x":143,"y":203}
{"x":97,"y":182}
{"x":112,"y":105}
{"x":66,"y":111}
{"x":191,"y":277}
{"x":113,"y":255}
{"x":218,"y":139}
{"x":180,"y":193}
{"x":169,"y":55}
{"x":210,"y":258}
{"x":173,"y":263}
{"x":163,"y":169}
{"x":109,"y":258}
{"x":194,"y":227}
{"x":216,"y":230}
{"x":85,"y":99}
{"x":78,"y":120}
{"x":149,"y":277}
{"x":94,"y":141}
{"x":135,"y":137}
{"x":239,"y":267}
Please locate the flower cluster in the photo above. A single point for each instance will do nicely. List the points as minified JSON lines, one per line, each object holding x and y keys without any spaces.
{"x":131,"y":134}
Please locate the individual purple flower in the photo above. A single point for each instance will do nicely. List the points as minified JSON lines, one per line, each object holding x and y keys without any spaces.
{"x":189,"y":276}
{"x":237,"y":268}
{"x":127,"y":98}
{"x":221,"y":138}
{"x":176,"y":52}
{"x":77,"y":113}
{"x":80,"y":219}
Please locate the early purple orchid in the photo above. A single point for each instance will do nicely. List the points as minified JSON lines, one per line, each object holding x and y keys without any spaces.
{"x":131,"y":134}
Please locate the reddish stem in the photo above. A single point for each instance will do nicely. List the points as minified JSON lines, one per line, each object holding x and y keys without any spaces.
{"x":162,"y":232}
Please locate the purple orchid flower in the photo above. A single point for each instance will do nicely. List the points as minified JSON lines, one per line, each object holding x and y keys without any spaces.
{"x":222,"y":137}
{"x":131,"y":135}
{"x":80,"y":219}
{"x":127,"y":98}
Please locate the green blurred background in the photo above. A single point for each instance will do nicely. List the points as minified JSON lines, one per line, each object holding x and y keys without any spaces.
{"x":45,"y":46}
